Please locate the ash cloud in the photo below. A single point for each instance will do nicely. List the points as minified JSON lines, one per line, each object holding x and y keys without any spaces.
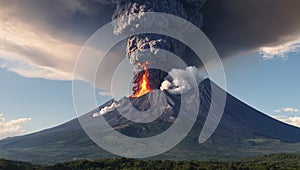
{"x":236,"y":26}
{"x":137,"y":44}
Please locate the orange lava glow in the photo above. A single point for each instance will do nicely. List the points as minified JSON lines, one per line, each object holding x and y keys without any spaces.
{"x":144,"y":86}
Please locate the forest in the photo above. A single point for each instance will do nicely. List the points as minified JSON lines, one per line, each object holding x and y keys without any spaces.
{"x":267,"y":162}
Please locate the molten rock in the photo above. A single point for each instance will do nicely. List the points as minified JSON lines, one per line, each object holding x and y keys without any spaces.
{"x":154,"y":79}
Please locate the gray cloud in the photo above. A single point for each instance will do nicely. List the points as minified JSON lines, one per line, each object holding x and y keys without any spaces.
{"x":73,"y":21}
{"x":37,"y":55}
{"x":42,"y":38}
{"x":47,"y":35}
{"x":138,"y":44}
{"x":237,"y":26}
{"x":232,"y":25}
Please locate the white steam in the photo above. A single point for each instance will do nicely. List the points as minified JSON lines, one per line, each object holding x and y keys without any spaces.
{"x":106,"y":109}
{"x":182,"y":80}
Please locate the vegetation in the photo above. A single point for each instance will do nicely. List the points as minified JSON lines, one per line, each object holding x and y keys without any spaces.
{"x":268,"y":162}
{"x":14,"y":165}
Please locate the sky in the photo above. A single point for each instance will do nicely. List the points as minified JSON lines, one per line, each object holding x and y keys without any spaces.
{"x":39,"y":47}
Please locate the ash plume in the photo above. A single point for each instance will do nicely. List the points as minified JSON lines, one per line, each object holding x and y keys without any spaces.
{"x":138,"y":44}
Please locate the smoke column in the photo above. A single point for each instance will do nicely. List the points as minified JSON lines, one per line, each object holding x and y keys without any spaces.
{"x":136,"y":45}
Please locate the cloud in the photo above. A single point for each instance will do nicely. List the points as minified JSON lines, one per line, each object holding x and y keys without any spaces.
{"x":72,"y":21}
{"x":181,"y":81}
{"x":236,"y":26}
{"x":281,"y":50}
{"x":294,"y":120}
{"x":104,"y":93}
{"x":287,"y":109}
{"x":277,"y":111}
{"x":12,"y":127}
{"x":31,"y":52}
{"x":290,"y":109}
{"x":106,"y":109}
{"x":37,"y":42}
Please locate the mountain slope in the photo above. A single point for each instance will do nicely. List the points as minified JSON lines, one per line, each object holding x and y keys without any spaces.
{"x":242,"y":132}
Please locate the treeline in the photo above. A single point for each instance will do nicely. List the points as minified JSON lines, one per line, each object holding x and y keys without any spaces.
{"x":14,"y":165}
{"x":269,"y":162}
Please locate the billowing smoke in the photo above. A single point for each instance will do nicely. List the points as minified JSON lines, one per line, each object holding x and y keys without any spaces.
{"x":106,"y":109}
{"x":180,"y":81}
{"x":138,"y":44}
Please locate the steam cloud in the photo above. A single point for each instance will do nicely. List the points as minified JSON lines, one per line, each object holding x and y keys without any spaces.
{"x":182,"y":80}
{"x":106,"y":109}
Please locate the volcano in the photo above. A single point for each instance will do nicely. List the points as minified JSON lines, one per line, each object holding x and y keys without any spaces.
{"x":242,"y":132}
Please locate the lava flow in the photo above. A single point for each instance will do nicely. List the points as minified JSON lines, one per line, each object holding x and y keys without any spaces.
{"x":143,"y":84}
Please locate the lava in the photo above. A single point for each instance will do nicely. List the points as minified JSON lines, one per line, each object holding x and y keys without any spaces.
{"x":143,"y":84}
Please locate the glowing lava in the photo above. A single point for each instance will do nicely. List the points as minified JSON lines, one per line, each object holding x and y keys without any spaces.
{"x":144,"y":86}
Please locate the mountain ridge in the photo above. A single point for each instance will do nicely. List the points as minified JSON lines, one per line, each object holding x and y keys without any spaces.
{"x":242,"y":132}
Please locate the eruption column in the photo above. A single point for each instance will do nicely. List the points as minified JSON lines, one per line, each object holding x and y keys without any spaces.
{"x":138,"y":44}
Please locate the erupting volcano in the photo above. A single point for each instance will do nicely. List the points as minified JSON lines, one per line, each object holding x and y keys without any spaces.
{"x":142,"y":83}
